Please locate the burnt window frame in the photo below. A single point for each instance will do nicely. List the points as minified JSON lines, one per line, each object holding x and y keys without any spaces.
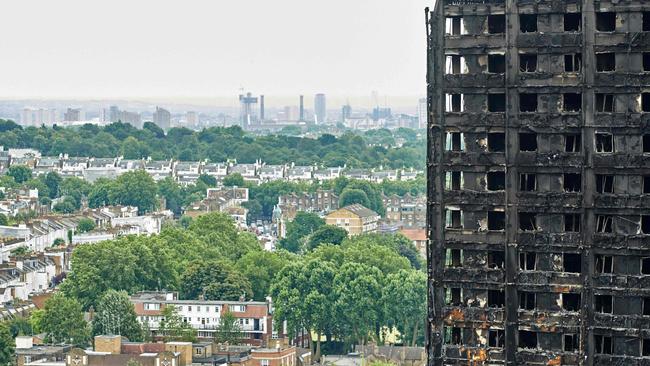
{"x":502,"y":224}
{"x":524,"y":182}
{"x":566,"y":267}
{"x":531,"y":19}
{"x":576,"y":62}
{"x":491,"y":147}
{"x":496,"y":108}
{"x":526,"y":258}
{"x":604,"y":224}
{"x":572,"y":222}
{"x":605,"y":183}
{"x":572,"y":29}
{"x":571,"y":295}
{"x":496,"y":338}
{"x":567,"y":100}
{"x":605,"y":305}
{"x":528,"y":102}
{"x":603,"y":146}
{"x":574,"y":342}
{"x":495,"y":174}
{"x":490,"y":24}
{"x":603,"y":344}
{"x":599,"y":21}
{"x":603,"y":63}
{"x":491,"y":60}
{"x":528,"y":221}
{"x":603,"y":264}
{"x":521,"y":333}
{"x":530,"y":67}
{"x":604,"y":103}
{"x":576,"y":143}
{"x":572,"y":188}
{"x":526,"y":298}
{"x":528,"y":135}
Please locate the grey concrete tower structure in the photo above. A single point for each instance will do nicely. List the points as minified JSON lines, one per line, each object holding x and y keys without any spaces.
{"x":539,"y":182}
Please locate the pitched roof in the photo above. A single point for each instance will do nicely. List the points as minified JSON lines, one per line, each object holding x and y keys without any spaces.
{"x":360,"y":210}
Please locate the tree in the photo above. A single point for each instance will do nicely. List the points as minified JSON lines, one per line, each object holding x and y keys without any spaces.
{"x":7,"y":345}
{"x":63,"y":321}
{"x":85,"y":225}
{"x":208,"y":180}
{"x":173,"y":328}
{"x":52,"y":180}
{"x":99,"y":194}
{"x":352,"y":196}
{"x":58,"y":242}
{"x":185,"y":221}
{"x":135,"y":188}
{"x":20,"y":326}
{"x":327,"y":234}
{"x":261,"y":267}
{"x":170,"y":190}
{"x":3,"y":220}
{"x":233,"y":180}
{"x":303,"y":225}
{"x":405,"y":302}
{"x":115,"y":315}
{"x":215,"y":280}
{"x":228,"y":331}
{"x":20,"y":173}
{"x":66,"y":206}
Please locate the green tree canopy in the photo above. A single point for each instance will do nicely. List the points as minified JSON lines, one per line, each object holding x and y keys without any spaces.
{"x":63,"y":321}
{"x":85,"y":225}
{"x":214,"y":280}
{"x":352,"y":196}
{"x":135,"y":188}
{"x":115,"y":315}
{"x":7,"y":345}
{"x":405,"y":303}
{"x":303,"y":225}
{"x":327,"y":234}
{"x":228,"y":330}
{"x":20,"y":173}
{"x":234,"y":180}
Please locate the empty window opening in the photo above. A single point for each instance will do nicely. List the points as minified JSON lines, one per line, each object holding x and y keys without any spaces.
{"x":454,"y":103}
{"x":646,"y":184}
{"x":646,"y":61}
{"x":605,"y":103}
{"x":571,"y":342}
{"x":527,"y":300}
{"x":604,"y":142}
{"x":454,"y":181}
{"x":645,"y":224}
{"x":453,"y":335}
{"x":527,"y":62}
{"x":527,"y":102}
{"x":604,"y":183}
{"x":496,"y":63}
{"x":572,"y":102}
{"x":454,"y":258}
{"x":496,"y":142}
{"x":527,"y":141}
{"x":496,"y":298}
{"x":571,"y":262}
{"x":527,"y":221}
{"x":645,"y":347}
{"x":527,"y":261}
{"x":572,"y":182}
{"x":572,"y":223}
{"x":496,"y":338}
{"x":496,"y":259}
{"x":572,"y":22}
{"x":528,"y":23}
{"x":496,"y":220}
{"x":455,"y":141}
{"x":455,"y":65}
{"x":496,"y":181}
{"x":496,"y":24}
{"x":605,"y":62}
{"x":645,"y":102}
{"x":527,"y":339}
{"x":570,"y":302}
{"x":646,"y":306}
{"x":454,"y":219}
{"x":646,"y":21}
{"x":603,"y":344}
{"x":572,"y":143}
{"x":496,"y":102}
{"x":603,"y":224}
{"x":645,"y":141}
{"x":604,"y":263}
{"x":454,"y":26}
{"x":454,"y":296}
{"x":604,"y":303}
{"x":573,"y":62}
{"x":605,"y":21}
{"x":527,"y":182}
{"x":645,"y":266}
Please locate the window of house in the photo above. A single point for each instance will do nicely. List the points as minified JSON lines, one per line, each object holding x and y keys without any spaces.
{"x":605,"y":21}
{"x":605,"y":103}
{"x":496,"y":24}
{"x":497,"y":102}
{"x":496,"y":142}
{"x":646,"y":306}
{"x":264,"y":363}
{"x":527,"y":62}
{"x":527,"y":339}
{"x":603,"y":303}
{"x":603,"y":224}
{"x":453,"y":335}
{"x":570,"y":302}
{"x":528,"y":23}
{"x":646,"y":61}
{"x":454,"y":181}
{"x":645,"y":224}
{"x":496,"y":220}
{"x":572,"y":102}
{"x":604,"y":142}
{"x":605,"y":62}
{"x":571,"y":263}
{"x":454,"y":26}
{"x":496,"y":338}
{"x":454,"y":103}
{"x":646,"y":21}
{"x":527,"y":141}
{"x":454,"y":219}
{"x":455,"y":141}
{"x":572,"y":182}
{"x":527,"y":102}
{"x":527,"y":300}
{"x":496,"y":298}
{"x":573,"y":62}
{"x":496,"y":63}
{"x":454,"y":258}
{"x":646,"y":184}
{"x":604,"y":183}
{"x":527,"y":221}
{"x":603,"y":263}
{"x":496,"y":259}
{"x":527,"y":261}
{"x":572,"y":223}
{"x":603,"y":344}
{"x":645,"y":141}
{"x":496,"y":181}
{"x":455,"y":65}
{"x":527,"y":182}
{"x":645,"y":266}
{"x":571,"y":342}
{"x":645,"y":102}
{"x":572,"y":22}
{"x":454,"y":296}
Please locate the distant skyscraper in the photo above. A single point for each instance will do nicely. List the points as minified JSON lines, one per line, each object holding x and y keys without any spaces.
{"x":192,"y":119}
{"x":73,"y":115}
{"x":38,"y":117}
{"x":162,"y":118}
{"x":248,"y":109}
{"x":302,"y":108}
{"x":114,"y":114}
{"x":381,"y":113}
{"x":422,"y":113}
{"x":261,"y":108}
{"x":346,"y":112}
{"x":320,"y":108}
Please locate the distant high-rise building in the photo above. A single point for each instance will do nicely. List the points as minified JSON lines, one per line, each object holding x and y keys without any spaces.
{"x":291,"y":113}
{"x":132,"y":118}
{"x":422,"y":113}
{"x":320,"y":108}
{"x":248,"y":109}
{"x":73,"y":115}
{"x":261,"y":108}
{"x":381,"y":113}
{"x":162,"y":118}
{"x":38,"y":117}
{"x":346,"y":112}
{"x":192,"y":119}
{"x":302,"y":108}
{"x":114,"y":114}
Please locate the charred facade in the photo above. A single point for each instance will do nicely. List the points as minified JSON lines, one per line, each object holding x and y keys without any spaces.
{"x":539,"y":182}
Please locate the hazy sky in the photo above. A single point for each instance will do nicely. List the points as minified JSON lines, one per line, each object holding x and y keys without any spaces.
{"x":211,"y":48}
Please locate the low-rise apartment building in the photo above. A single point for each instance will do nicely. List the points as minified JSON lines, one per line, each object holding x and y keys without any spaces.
{"x":321,"y":201}
{"x":355,"y":219}
{"x":406,"y":211}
